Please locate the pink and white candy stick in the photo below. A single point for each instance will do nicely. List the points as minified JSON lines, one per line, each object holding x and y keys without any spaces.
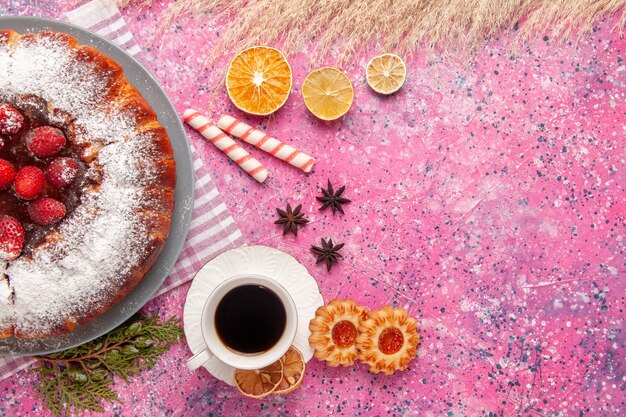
{"x":225,"y":144}
{"x":267,"y":143}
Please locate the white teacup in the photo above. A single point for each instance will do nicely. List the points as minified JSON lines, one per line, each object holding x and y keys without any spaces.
{"x":214,"y":346}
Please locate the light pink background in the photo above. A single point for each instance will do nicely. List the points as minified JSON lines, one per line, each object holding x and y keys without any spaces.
{"x":488,"y":200}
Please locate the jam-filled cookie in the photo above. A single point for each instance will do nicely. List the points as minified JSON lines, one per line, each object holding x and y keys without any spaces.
{"x":334,"y":331}
{"x":387,"y":340}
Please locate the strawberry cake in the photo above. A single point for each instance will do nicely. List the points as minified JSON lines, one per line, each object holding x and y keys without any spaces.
{"x":87,"y":179}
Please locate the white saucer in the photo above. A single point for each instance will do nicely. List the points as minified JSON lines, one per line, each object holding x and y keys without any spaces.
{"x":260,"y":260}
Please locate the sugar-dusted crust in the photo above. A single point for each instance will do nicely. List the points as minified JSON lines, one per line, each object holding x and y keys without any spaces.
{"x":368,"y":341}
{"x":322,"y":325}
{"x":102,"y":249}
{"x":6,"y":300}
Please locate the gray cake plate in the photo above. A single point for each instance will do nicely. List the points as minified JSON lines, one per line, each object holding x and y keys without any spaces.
{"x":183,"y":196}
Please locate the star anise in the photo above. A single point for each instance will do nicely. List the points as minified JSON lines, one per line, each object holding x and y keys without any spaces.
{"x":333,"y":199}
{"x":290,"y":219}
{"x":329,"y":253}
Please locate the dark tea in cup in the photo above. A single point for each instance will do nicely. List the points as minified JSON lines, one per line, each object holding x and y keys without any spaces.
{"x":248,"y":322}
{"x":250,"y":319}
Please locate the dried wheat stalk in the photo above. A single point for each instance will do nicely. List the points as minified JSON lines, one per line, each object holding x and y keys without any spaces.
{"x":342,"y":27}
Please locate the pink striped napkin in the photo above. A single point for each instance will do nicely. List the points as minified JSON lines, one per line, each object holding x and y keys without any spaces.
{"x":212,"y":230}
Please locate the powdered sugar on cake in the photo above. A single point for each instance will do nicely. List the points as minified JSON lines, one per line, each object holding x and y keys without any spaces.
{"x":6,"y":302}
{"x":84,"y":264}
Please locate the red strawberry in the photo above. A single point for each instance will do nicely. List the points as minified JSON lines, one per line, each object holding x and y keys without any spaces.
{"x":46,"y":211}
{"x":29,"y":182}
{"x":1,"y":143}
{"x":11,"y":120}
{"x":7,"y":174}
{"x":11,"y":238}
{"x":62,"y":172}
{"x":45,"y":141}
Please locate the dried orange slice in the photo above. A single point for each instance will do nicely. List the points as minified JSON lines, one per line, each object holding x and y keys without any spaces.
{"x":258,"y":383}
{"x":293,"y":371}
{"x":258,"y":80}
{"x":386,"y":73}
{"x":328,"y":93}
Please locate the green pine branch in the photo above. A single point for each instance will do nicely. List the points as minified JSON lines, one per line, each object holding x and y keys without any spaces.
{"x":80,"y":379}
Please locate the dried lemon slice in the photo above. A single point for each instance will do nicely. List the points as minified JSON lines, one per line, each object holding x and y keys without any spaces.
{"x":328,"y":93}
{"x":386,"y":73}
{"x":293,"y":371}
{"x":258,"y":80}
{"x":258,"y":383}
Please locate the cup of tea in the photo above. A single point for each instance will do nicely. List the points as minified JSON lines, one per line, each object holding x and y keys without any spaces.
{"x":248,"y":322}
